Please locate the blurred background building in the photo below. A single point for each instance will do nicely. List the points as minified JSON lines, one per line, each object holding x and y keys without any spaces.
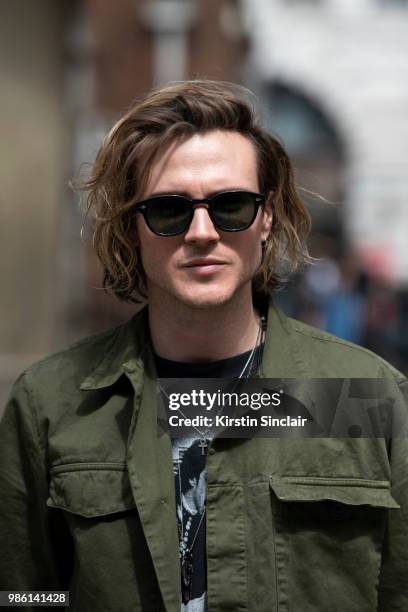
{"x":331,"y":76}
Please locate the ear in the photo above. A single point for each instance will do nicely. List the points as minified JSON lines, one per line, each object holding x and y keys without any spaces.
{"x":267,"y":216}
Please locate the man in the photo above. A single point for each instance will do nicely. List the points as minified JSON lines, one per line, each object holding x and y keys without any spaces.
{"x":195,"y":209}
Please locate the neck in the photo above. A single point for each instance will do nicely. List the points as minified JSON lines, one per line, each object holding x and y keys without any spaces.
{"x":183,"y":333}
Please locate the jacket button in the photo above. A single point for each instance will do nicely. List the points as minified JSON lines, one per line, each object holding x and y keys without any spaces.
{"x":338,"y":511}
{"x":355,"y":431}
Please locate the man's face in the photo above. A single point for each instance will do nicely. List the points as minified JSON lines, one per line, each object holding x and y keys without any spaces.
{"x":205,"y":266}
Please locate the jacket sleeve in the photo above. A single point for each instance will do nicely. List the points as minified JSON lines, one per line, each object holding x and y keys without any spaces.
{"x":35,"y":553}
{"x":393,"y":588}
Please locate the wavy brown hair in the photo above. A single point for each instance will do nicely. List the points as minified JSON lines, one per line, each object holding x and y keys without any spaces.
{"x":120,"y":174}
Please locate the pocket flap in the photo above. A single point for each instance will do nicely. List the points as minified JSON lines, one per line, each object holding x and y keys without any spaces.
{"x":90,"y":491}
{"x":351,"y":491}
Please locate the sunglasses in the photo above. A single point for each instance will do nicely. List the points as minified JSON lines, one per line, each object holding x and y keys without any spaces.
{"x":230,"y":211}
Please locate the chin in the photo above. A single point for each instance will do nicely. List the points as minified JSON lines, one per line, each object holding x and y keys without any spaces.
{"x":205,"y":297}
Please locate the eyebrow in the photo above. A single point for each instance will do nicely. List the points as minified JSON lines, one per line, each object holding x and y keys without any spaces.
{"x":186,"y":194}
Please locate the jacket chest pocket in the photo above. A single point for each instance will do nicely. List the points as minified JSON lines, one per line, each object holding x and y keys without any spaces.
{"x":113,"y":561}
{"x":90,"y":490}
{"x":328,"y":535}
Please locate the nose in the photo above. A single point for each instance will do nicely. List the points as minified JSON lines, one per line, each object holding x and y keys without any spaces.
{"x":202,"y":229}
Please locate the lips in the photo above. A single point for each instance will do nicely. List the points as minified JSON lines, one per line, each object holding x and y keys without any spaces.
{"x":204,"y":267}
{"x":204,"y":262}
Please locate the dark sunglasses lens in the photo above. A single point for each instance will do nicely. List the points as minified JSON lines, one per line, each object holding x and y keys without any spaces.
{"x":168,"y":216}
{"x":234,"y":211}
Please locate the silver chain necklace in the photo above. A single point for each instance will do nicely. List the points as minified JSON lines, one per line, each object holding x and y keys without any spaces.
{"x":246,"y":370}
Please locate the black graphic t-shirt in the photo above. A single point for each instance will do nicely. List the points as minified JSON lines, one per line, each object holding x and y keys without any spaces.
{"x":190,"y":473}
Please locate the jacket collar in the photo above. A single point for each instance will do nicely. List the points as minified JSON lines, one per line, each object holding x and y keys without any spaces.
{"x":124,"y":355}
{"x":282,"y":357}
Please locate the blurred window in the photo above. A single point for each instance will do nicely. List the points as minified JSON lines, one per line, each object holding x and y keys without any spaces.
{"x":300,"y":121}
{"x":316,"y":146}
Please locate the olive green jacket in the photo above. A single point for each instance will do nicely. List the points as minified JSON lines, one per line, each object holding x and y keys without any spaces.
{"x":293,"y":525}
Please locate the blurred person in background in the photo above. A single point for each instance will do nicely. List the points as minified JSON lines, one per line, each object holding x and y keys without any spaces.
{"x":196,"y":211}
{"x":345,"y":307}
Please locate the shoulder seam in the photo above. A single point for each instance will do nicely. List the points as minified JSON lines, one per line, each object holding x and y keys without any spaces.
{"x":325,"y":337}
{"x":33,"y":412}
{"x":103,"y":336}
